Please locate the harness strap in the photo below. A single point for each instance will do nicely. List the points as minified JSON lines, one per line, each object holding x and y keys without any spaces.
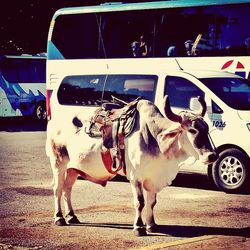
{"x":122,"y":145}
{"x":108,"y":160}
{"x":114,"y":125}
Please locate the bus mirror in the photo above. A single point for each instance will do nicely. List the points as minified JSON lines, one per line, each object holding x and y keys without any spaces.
{"x":194,"y":104}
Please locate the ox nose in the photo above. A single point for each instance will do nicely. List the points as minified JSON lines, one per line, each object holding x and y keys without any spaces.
{"x":212,"y":157}
{"x":208,"y":157}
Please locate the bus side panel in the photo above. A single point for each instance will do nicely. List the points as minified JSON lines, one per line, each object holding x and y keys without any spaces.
{"x":20,"y":99}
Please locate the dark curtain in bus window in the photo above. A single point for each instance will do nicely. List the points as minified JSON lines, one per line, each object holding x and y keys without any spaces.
{"x":81,"y":90}
{"x":76,"y":36}
{"x":180,"y":91}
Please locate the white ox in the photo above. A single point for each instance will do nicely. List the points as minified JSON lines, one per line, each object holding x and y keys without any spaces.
{"x":154,"y":152}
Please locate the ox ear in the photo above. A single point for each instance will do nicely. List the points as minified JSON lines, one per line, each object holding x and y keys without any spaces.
{"x":168,"y":112}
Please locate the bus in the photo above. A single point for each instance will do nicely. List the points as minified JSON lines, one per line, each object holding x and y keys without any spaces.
{"x":92,"y":55}
{"x":202,"y":34}
{"x":22,"y":86}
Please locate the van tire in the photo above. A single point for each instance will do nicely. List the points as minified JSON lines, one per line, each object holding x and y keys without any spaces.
{"x":40,"y":113}
{"x":230,"y":172}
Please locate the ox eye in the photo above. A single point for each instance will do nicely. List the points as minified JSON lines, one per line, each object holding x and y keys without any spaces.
{"x":192,"y":131}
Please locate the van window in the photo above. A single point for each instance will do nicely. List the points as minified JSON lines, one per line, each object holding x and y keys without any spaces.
{"x":88,"y":89}
{"x":180,"y":91}
{"x":129,"y":87}
{"x":81,"y":90}
{"x":235,"y":92}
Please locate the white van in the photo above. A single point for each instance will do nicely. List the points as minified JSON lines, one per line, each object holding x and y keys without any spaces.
{"x":227,"y":96}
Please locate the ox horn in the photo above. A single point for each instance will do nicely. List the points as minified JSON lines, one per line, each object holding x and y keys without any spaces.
{"x":203,"y":108}
{"x":168,"y":112}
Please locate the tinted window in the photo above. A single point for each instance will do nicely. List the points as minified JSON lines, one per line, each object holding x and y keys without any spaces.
{"x":194,"y":31}
{"x":204,"y":31}
{"x":129,"y":87}
{"x":88,"y":90}
{"x":24,"y":70}
{"x":38,"y":70}
{"x":81,"y":90}
{"x":235,"y":92}
{"x":180,"y":90}
{"x":76,"y":36}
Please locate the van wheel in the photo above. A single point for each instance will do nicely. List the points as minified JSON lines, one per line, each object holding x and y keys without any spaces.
{"x":230,"y":172}
{"x":40,"y":112}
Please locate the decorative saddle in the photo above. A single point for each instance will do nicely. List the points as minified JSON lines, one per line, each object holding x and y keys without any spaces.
{"x":113,"y":122}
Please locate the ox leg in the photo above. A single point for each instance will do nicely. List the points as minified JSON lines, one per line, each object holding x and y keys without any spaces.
{"x":139,"y":228}
{"x":150,"y":221}
{"x":58,"y":182}
{"x":71,"y":177}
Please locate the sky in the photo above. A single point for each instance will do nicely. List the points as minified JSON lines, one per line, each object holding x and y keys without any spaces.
{"x":24,"y":24}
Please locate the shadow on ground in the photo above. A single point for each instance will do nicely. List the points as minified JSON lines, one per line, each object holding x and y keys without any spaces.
{"x":184,"y":180}
{"x":18,"y":124}
{"x":177,"y":230}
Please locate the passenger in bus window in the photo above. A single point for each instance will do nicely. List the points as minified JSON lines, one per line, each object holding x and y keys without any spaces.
{"x":177,"y":50}
{"x":172,"y":51}
{"x":143,"y":49}
{"x":188,"y":45}
{"x":135,"y":48}
{"x":140,"y":48}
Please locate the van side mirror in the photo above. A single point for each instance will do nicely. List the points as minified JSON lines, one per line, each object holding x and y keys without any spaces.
{"x":194,"y":104}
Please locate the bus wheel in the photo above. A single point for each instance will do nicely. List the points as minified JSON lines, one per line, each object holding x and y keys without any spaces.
{"x":230,"y":172}
{"x":40,"y":112}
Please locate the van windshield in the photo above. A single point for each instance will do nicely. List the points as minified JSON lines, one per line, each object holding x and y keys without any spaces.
{"x":235,"y":92}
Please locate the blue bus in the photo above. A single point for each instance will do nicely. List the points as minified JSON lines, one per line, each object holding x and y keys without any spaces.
{"x":22,"y":86}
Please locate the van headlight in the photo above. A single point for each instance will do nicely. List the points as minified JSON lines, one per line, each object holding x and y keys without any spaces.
{"x":248,"y":126}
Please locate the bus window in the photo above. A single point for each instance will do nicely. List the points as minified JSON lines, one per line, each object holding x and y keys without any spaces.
{"x":129,"y":87}
{"x":197,"y":31}
{"x":38,"y":71}
{"x":9,"y":72}
{"x":76,"y":36}
{"x":121,"y":29}
{"x":24,"y":70}
{"x":203,"y":31}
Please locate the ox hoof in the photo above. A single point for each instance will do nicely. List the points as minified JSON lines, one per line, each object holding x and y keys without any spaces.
{"x":60,"y":222}
{"x":73,"y":220}
{"x":141,"y":231}
{"x":153,"y":229}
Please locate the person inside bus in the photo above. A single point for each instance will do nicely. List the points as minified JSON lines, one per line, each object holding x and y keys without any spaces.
{"x":188,"y":45}
{"x":177,"y":50}
{"x":143,"y":49}
{"x":140,"y":48}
